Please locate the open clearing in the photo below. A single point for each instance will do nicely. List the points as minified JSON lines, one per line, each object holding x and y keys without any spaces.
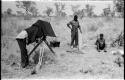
{"x":87,"y":64}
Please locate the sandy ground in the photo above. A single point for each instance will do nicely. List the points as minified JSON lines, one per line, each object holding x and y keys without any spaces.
{"x":85,"y":64}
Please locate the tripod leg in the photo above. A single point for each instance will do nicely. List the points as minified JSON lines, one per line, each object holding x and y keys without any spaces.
{"x":49,"y":47}
{"x":35,"y":48}
{"x":39,"y":65}
{"x":41,"y":56}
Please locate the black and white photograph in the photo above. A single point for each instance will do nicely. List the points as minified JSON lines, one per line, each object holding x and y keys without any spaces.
{"x":62,"y":39}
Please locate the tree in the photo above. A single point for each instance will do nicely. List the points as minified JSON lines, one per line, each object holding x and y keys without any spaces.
{"x":26,"y":5}
{"x":89,"y":10}
{"x":119,"y":6}
{"x":34,"y":11}
{"x":59,"y":8}
{"x":76,"y":11}
{"x":9,"y":11}
{"x":48,"y":11}
{"x":75,"y":8}
{"x":106,"y":11}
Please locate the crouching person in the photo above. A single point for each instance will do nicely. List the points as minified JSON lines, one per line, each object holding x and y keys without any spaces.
{"x":100,"y":43}
{"x":26,"y":37}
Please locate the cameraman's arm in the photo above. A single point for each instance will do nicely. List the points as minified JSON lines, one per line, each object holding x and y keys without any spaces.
{"x":44,"y":37}
{"x":38,"y":39}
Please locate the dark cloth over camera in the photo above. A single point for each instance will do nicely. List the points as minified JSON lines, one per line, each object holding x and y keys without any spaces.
{"x":39,"y":29}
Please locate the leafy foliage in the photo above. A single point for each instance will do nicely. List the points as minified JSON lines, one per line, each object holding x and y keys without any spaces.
{"x":28,"y":6}
{"x":119,"y":6}
{"x":34,"y":11}
{"x":49,"y":11}
{"x":59,"y":9}
{"x":9,"y":11}
{"x":119,"y":41}
{"x":89,"y":10}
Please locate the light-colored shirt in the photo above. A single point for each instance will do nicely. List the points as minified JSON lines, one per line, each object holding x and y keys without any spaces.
{"x":23,"y":34}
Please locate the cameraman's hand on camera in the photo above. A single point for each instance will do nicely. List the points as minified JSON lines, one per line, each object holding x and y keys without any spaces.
{"x":37,"y":40}
{"x":44,"y":37}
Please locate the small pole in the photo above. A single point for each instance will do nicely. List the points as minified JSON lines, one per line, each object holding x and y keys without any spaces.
{"x":40,"y":62}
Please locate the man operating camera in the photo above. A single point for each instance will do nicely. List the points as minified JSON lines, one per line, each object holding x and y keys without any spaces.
{"x":28,"y":36}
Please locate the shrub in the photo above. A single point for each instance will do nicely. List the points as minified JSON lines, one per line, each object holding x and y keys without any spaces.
{"x":119,"y":41}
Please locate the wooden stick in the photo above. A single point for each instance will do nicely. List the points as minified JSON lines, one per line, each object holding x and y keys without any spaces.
{"x":35,"y":47}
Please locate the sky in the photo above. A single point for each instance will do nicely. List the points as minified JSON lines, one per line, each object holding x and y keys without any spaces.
{"x":41,"y":5}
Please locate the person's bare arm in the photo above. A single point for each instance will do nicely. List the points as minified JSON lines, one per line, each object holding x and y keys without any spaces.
{"x":80,"y":28}
{"x":68,"y":25}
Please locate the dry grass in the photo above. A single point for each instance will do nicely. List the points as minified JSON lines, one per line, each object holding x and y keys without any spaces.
{"x":91,"y":27}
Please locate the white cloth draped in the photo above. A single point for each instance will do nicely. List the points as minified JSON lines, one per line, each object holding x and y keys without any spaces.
{"x":23,"y":34}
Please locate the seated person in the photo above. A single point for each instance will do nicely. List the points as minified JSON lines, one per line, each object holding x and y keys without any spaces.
{"x":100,"y":42}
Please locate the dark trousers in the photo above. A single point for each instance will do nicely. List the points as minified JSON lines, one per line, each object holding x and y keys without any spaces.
{"x":74,"y":38}
{"x":24,"y":55}
{"x":101,"y":47}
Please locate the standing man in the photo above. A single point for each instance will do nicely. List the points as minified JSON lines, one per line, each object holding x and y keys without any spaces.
{"x":28,"y":36}
{"x":74,"y":31}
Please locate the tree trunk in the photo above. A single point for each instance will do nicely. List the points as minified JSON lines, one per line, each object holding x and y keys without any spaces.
{"x":26,"y":16}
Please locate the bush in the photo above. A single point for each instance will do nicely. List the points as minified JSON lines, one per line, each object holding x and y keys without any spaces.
{"x":119,"y":41}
